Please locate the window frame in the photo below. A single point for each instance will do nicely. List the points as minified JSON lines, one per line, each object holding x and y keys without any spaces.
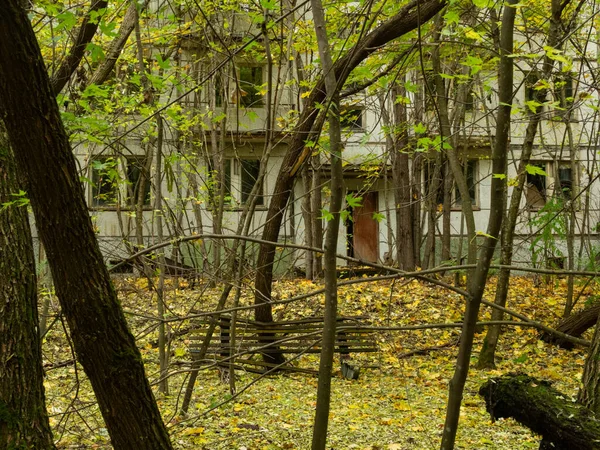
{"x":121,"y":185}
{"x":347,"y":123}
{"x":473,"y":187}
{"x":552,"y":182}
{"x":256,"y":99}
{"x":235,"y":186}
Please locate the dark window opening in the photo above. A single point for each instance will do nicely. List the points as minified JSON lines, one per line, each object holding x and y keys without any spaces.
{"x":534,"y":92}
{"x":351,"y":118}
{"x":214,"y":193}
{"x":563,"y":93}
{"x":470,"y":101}
{"x":429,"y":173}
{"x":105,"y":181}
{"x":219,"y":90}
{"x":250,"y":83}
{"x":135,"y":169}
{"x":565,"y":179}
{"x":535,"y":196}
{"x":250,"y":172}
{"x":469,"y":170}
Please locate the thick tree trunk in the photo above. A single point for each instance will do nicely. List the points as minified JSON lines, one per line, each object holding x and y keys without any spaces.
{"x":23,"y":417}
{"x":477,"y":279}
{"x":409,"y":18}
{"x":102,"y":341}
{"x":563,"y":424}
{"x":574,"y":325}
{"x":589,"y":394}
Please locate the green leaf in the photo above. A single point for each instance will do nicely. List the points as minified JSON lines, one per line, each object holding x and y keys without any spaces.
{"x":500,"y":176}
{"x":96,"y":52}
{"x":419,"y":128}
{"x":326,"y":215}
{"x":162,"y":63}
{"x":108,"y":29}
{"x":353,"y":201}
{"x":534,"y":170}
{"x":66,"y":21}
{"x":378,"y":216}
{"x":521,"y":359}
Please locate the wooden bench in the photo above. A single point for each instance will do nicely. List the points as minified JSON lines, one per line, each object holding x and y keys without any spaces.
{"x":292,"y":338}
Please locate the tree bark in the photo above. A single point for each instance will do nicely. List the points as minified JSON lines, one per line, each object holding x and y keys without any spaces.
{"x":589,"y":394}
{"x":103,"y":71}
{"x":574,"y":325}
{"x":488,"y":350}
{"x":405,"y":253}
{"x":477,"y":281}
{"x":86,"y":32}
{"x":563,"y":424}
{"x":319,"y":438}
{"x":409,"y":18}
{"x":104,"y":346}
{"x":23,"y":417}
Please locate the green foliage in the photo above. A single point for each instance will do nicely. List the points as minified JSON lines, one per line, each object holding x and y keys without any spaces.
{"x":20,"y":199}
{"x":550,"y":226}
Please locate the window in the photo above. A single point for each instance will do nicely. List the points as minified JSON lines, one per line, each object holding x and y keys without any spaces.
{"x":135,"y":168}
{"x":114,"y":178}
{"x":240,"y":177}
{"x":563,"y":90}
{"x":535,"y":92}
{"x":250,"y":171}
{"x":535,"y":186}
{"x":250,"y":80}
{"x":539,"y":186}
{"x":564,"y":180}
{"x":470,"y":172}
{"x":226,"y":180}
{"x":351,"y":117}
{"x":219,"y":90}
{"x":105,"y":181}
{"x":563,"y":96}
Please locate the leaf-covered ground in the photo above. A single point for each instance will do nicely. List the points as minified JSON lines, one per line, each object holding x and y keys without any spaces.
{"x":397,"y":403}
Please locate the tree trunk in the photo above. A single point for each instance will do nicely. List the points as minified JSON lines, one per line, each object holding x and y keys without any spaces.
{"x":563,"y":424}
{"x":477,"y":279}
{"x":409,"y":18}
{"x":23,"y":416}
{"x":589,"y":394}
{"x":307,"y":215}
{"x":488,"y":350}
{"x":319,"y":438}
{"x":405,"y":253}
{"x":574,"y":325}
{"x":102,"y":341}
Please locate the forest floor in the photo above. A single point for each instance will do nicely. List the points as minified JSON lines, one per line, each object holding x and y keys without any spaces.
{"x":397,"y":403}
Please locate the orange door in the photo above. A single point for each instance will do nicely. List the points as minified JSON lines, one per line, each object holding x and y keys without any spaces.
{"x":366,"y":229}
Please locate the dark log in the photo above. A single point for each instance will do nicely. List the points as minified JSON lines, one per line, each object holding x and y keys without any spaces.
{"x":563,"y":424}
{"x":574,"y":325}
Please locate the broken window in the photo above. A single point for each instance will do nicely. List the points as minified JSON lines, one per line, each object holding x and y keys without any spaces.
{"x":535,"y":186}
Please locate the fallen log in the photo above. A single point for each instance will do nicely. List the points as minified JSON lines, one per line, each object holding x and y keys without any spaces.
{"x":574,"y":325}
{"x":563,"y":424}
